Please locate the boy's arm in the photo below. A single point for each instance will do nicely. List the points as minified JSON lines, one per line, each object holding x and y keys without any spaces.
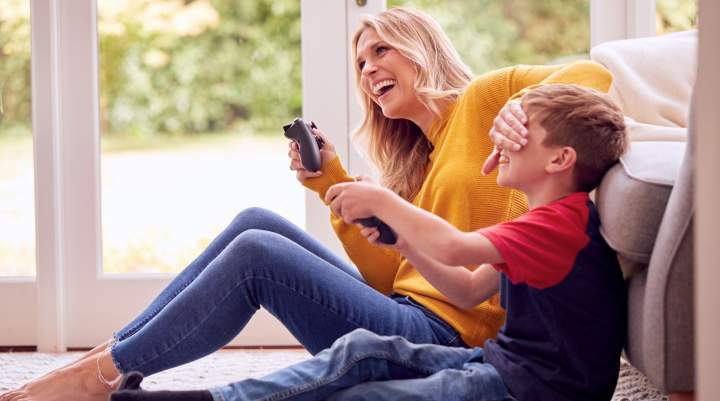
{"x":428,"y":233}
{"x":462,"y":287}
{"x":434,"y":236}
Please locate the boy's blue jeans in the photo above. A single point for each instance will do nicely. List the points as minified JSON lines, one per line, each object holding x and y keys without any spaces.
{"x":262,"y":260}
{"x":365,"y":366}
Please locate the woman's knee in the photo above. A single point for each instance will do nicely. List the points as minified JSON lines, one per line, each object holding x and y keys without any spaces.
{"x":257,"y":250}
{"x":253,"y":243}
{"x":254,"y":217}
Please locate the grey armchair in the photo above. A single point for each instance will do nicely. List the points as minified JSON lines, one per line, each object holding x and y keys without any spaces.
{"x":647,"y":210}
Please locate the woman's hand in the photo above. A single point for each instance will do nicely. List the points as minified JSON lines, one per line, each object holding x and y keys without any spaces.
{"x":508,"y":132}
{"x":326,"y":153}
{"x":355,"y":200}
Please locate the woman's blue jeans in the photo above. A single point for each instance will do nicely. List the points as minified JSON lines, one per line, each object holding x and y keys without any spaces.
{"x":365,"y":366}
{"x":263,"y":260}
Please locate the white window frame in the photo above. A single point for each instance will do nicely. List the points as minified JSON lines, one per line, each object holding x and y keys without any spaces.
{"x":621,"y":19}
{"x":71,"y":303}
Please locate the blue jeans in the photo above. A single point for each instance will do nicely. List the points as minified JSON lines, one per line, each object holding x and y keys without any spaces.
{"x":263,"y":260}
{"x":365,"y":366}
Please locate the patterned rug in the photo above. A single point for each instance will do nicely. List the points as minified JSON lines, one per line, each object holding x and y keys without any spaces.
{"x":232,"y":365}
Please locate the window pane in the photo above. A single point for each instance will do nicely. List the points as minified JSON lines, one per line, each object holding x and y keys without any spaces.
{"x":675,"y":15}
{"x":17,"y":204}
{"x":193,"y":97}
{"x":491,"y":34}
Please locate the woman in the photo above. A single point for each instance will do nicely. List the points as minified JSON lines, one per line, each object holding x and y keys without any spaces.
{"x":424,"y":127}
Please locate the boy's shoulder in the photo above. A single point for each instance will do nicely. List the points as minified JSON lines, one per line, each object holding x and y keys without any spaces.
{"x":540,"y":247}
{"x":564,"y":217}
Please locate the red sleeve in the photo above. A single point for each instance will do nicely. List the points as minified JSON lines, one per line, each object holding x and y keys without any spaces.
{"x":540,"y":247}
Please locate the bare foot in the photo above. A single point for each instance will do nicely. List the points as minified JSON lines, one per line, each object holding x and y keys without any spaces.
{"x":77,"y":382}
{"x":15,"y":395}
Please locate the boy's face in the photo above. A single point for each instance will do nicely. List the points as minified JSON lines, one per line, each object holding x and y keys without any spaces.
{"x":525,"y":168}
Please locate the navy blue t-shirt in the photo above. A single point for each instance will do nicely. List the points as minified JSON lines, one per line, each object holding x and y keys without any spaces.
{"x":565,"y":299}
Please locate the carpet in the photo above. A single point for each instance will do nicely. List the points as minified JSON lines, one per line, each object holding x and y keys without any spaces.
{"x":232,"y":365}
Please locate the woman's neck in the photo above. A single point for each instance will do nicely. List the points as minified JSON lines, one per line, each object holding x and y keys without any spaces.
{"x":426,"y":117}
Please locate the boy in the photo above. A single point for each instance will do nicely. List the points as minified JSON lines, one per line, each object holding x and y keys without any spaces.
{"x":559,"y":281}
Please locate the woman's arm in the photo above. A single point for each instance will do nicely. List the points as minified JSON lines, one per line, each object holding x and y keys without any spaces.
{"x":378,"y":266}
{"x":584,"y":72}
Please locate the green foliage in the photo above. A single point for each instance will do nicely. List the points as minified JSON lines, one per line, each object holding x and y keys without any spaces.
{"x":194,"y":66}
{"x":245,"y":67}
{"x":491,"y":34}
{"x":676,"y":15}
{"x":15,"y":101}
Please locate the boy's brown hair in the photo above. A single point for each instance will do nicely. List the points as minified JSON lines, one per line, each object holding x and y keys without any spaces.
{"x":584,"y":119}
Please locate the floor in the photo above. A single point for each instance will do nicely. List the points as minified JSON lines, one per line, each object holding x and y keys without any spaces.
{"x":232,"y":365}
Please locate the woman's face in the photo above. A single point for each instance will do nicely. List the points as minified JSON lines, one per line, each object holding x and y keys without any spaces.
{"x":387,"y":78}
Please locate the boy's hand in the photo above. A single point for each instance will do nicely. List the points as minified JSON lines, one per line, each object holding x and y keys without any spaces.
{"x":508,"y":132}
{"x":372,"y":234}
{"x":355,"y":200}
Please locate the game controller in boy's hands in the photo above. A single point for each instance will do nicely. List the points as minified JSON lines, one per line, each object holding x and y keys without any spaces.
{"x":309,"y":144}
{"x":387,"y":235}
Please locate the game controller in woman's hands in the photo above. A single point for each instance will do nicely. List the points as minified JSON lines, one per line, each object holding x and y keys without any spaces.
{"x":387,"y":235}
{"x":309,"y":144}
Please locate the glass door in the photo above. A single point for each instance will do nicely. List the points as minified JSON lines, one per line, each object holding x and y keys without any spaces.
{"x":171,"y":125}
{"x":192,"y":99}
{"x":17,"y":192}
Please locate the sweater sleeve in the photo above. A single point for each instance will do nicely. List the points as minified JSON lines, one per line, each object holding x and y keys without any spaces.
{"x":378,"y":265}
{"x":491,"y":91}
{"x":585,"y":73}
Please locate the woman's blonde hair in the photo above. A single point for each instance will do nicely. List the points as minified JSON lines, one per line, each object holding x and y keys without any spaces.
{"x":398,"y":147}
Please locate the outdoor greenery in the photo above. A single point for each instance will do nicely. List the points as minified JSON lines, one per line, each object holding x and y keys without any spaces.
{"x":490,"y":34}
{"x":180,"y":79}
{"x":170,"y":67}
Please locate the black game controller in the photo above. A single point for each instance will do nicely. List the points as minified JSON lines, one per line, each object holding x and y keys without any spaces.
{"x":309,"y":144}
{"x":387,"y":235}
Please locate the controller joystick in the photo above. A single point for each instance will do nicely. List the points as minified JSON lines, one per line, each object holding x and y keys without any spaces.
{"x":300,"y":131}
{"x":387,"y":235}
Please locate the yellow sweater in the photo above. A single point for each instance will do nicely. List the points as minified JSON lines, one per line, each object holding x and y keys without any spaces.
{"x":455,"y":189}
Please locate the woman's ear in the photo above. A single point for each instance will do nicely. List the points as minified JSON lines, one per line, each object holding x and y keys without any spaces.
{"x":562,"y":160}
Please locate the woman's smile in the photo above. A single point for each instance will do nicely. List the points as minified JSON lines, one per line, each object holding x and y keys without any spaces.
{"x":382,"y":89}
{"x":383,"y":86}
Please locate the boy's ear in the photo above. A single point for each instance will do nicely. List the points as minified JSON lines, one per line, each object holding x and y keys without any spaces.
{"x":562,"y":160}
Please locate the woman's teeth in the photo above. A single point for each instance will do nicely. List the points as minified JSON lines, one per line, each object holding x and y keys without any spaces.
{"x":380,"y":87}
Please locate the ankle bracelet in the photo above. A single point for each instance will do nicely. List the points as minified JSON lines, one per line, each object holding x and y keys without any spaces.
{"x":100,"y":376}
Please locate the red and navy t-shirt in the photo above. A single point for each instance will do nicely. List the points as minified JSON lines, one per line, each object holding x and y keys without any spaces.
{"x":565,"y":299}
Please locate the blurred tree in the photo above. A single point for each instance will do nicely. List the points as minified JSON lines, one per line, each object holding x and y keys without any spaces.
{"x":195,"y":66}
{"x":15,"y":101}
{"x":675,"y":15}
{"x":491,"y":34}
